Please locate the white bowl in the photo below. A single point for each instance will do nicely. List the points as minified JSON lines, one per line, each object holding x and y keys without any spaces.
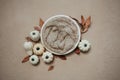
{"x":53,"y":18}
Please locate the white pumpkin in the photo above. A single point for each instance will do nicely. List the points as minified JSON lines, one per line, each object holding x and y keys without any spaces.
{"x":38,"y":49}
{"x":35,"y":35}
{"x":84,"y":45}
{"x":47,"y":57}
{"x":28,"y":46}
{"x":34,"y":59}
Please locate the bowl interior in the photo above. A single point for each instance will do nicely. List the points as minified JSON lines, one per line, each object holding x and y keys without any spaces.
{"x":60,"y":34}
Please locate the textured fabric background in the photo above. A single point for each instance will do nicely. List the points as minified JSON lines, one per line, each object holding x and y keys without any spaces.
{"x":17,"y":18}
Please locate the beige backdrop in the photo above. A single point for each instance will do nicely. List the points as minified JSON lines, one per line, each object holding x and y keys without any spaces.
{"x":17,"y":18}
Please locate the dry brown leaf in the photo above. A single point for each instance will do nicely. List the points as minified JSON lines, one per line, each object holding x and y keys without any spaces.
{"x":50,"y":68}
{"x":28,"y":38}
{"x":85,"y":30}
{"x":62,"y":57}
{"x":41,"y":22}
{"x":82,"y":20}
{"x":25,"y":59}
{"x":37,"y":28}
{"x":88,"y":22}
{"x":77,"y":51}
{"x":86,"y":25}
